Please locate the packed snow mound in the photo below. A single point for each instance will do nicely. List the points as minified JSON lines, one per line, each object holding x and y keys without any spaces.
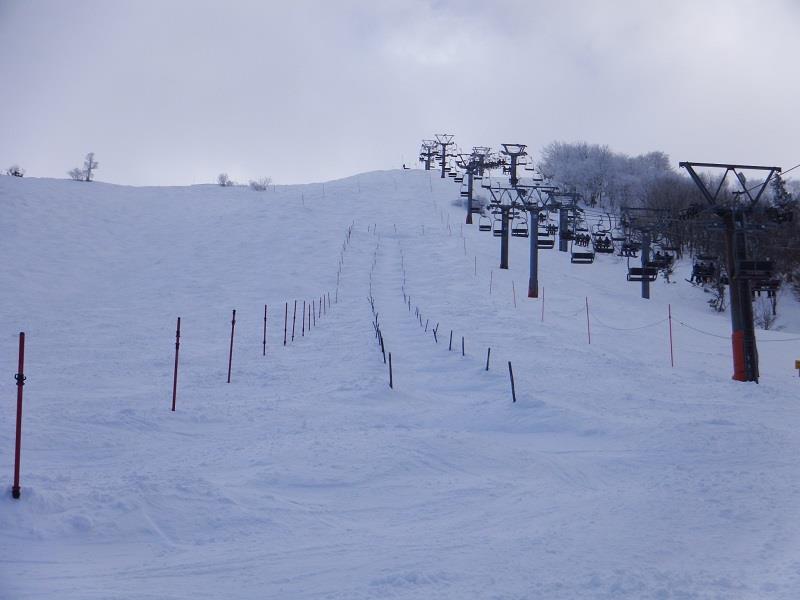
{"x":614,"y":475}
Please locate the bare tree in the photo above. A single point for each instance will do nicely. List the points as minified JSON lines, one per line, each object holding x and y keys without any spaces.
{"x":16,"y":171}
{"x":87,"y":172}
{"x":224,"y":180}
{"x":260,"y":184}
{"x":89,"y":165}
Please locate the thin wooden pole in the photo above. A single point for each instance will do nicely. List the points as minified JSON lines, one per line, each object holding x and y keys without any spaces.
{"x":230,"y":351}
{"x":513,"y":390}
{"x":488,"y":354}
{"x":542,"y":303}
{"x":588,"y":330}
{"x":285,"y":321}
{"x":450,"y":347}
{"x":303,"y":328}
{"x":391,"y":380}
{"x":175,"y":372}
{"x":294,"y":318}
{"x":264,"y":342}
{"x":514,"y":292}
{"x":669,"y":316}
{"x":20,"y":378}
{"x":462,"y":346}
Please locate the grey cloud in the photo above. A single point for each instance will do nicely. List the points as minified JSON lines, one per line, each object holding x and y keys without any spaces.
{"x":177,"y":91}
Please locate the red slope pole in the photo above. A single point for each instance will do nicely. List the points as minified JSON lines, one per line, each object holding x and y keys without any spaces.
{"x":175,"y":373}
{"x":230,"y":352}
{"x":20,"y":377}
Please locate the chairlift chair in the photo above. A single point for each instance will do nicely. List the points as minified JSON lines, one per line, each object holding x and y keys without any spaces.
{"x":629,"y":248}
{"x":617,"y":235}
{"x":755,"y":269}
{"x":704,"y":268}
{"x":519,"y":227}
{"x":770,"y":286}
{"x":544,"y":240}
{"x":603,"y":245}
{"x":661,"y":259}
{"x":497,"y":228}
{"x":638,"y":274}
{"x":580,"y":258}
{"x":484,"y":223}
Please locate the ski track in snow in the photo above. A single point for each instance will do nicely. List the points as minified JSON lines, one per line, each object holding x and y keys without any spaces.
{"x":613,"y":476}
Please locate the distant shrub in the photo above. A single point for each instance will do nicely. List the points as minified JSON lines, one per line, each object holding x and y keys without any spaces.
{"x":224,"y":180}
{"x":260,"y":184}
{"x":15,"y":171}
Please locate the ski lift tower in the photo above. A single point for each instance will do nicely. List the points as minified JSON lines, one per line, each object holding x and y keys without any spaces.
{"x":733,"y":213}
{"x":481,"y":154}
{"x":534,"y":206}
{"x":444,"y":140}
{"x":514,"y":152}
{"x":649,"y":222}
{"x":501,"y":204}
{"x":427,"y":153}
{"x":470,"y":165}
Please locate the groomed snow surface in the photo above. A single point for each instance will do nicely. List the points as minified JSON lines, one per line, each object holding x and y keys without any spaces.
{"x":613,"y":476}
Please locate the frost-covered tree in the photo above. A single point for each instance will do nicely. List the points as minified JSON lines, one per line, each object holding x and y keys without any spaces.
{"x":224,"y":180}
{"x":260,"y":184}
{"x":601,"y":176}
{"x":89,"y":165}
{"x":16,"y":171}
{"x":781,"y":196}
{"x":87,"y":172}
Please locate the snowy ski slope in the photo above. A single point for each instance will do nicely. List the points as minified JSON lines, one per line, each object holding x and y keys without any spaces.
{"x":613,"y":476}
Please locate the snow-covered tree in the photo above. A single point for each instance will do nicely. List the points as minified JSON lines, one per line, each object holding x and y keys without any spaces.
{"x":16,"y":171}
{"x":224,"y":180}
{"x":260,"y":184}
{"x":87,"y":172}
{"x":89,"y":165}
{"x":601,"y":176}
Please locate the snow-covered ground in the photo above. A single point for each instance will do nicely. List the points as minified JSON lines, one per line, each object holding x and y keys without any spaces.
{"x":613,"y":476}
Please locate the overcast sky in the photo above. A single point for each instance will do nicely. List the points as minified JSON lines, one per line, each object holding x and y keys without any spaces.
{"x":174,"y":92}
